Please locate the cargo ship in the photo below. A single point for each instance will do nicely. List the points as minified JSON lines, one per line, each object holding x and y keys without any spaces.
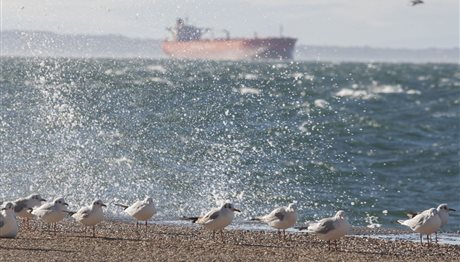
{"x":187,"y":42}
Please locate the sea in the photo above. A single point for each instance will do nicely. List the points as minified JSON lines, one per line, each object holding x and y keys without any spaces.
{"x":373,"y":139}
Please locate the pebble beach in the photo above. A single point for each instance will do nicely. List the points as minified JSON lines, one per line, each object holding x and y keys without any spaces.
{"x":120,"y":241}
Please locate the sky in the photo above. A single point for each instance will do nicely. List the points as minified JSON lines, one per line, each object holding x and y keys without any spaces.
{"x":374,"y":23}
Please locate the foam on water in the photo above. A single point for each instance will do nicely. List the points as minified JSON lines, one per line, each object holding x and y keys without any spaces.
{"x":443,"y":238}
{"x":249,"y":90}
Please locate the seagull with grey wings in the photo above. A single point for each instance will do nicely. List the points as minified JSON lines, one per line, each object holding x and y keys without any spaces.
{"x":425,"y":223}
{"x":51,"y":213}
{"x":443,"y":213}
{"x":90,"y":215}
{"x":330,"y":228}
{"x":8,"y":223}
{"x":141,"y":210}
{"x":280,"y":218}
{"x":216,"y":219}
{"x":23,"y":206}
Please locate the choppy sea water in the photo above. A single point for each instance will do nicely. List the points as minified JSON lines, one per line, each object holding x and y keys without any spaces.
{"x":375,"y":140}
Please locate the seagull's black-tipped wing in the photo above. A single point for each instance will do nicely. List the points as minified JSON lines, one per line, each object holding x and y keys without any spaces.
{"x":19,"y":205}
{"x":122,"y":205}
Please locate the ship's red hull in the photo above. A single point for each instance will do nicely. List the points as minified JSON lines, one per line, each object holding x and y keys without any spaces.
{"x":232,"y":49}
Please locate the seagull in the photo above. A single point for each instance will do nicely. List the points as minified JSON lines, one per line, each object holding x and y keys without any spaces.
{"x":90,"y":215}
{"x":52,"y":213}
{"x":443,"y":212}
{"x":281,"y":218}
{"x":141,"y":210}
{"x":216,"y":219}
{"x":330,"y":228}
{"x":23,"y":205}
{"x":8,"y":223}
{"x":427,"y":222}
{"x":416,"y":2}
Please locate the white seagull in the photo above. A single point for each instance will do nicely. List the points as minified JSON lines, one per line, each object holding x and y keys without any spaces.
{"x":141,"y":210}
{"x":90,"y":215}
{"x":443,"y":212}
{"x":216,"y":219}
{"x":425,"y":223}
{"x":281,"y":218}
{"x":52,"y":213}
{"x":22,"y":206}
{"x":8,"y":223}
{"x":330,"y":228}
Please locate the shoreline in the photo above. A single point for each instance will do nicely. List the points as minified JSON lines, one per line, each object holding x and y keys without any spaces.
{"x":119,"y":241}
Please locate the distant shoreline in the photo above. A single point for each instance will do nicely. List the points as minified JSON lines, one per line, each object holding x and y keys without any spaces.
{"x":48,"y":44}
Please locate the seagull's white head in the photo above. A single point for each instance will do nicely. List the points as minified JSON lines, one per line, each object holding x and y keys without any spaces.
{"x":148,"y":200}
{"x":444,"y":208}
{"x":8,"y":207}
{"x":341,"y":214}
{"x":292,"y":206}
{"x":60,"y":201}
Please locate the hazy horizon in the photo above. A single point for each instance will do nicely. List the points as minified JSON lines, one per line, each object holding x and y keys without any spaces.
{"x":49,"y":44}
{"x":161,"y":39}
{"x":360,"y":23}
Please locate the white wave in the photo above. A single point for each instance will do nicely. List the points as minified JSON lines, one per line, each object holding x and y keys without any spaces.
{"x":372,"y":221}
{"x":393,"y":89}
{"x":387,"y":89}
{"x":249,"y":91}
{"x":321,"y":103}
{"x":304,"y":127}
{"x":156,"y":68}
{"x":249,"y":76}
{"x":296,"y":75}
{"x":413,"y":92}
{"x":423,"y":78}
{"x":346,"y":92}
{"x":160,"y":80}
{"x":123,"y":160}
{"x":374,"y":91}
{"x":309,"y":77}
{"x":280,"y":66}
{"x":112,"y":72}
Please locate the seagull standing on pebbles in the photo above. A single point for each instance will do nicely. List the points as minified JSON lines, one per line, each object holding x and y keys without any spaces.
{"x":91,"y":215}
{"x":52,"y":213}
{"x":22,"y":206}
{"x":216,"y":219}
{"x":141,"y":210}
{"x":281,"y":218}
{"x":330,"y":228}
{"x":8,"y":223}
{"x":443,"y":212}
{"x":427,"y":222}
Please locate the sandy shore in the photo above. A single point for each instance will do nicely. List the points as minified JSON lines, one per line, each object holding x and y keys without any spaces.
{"x":117,"y":241}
